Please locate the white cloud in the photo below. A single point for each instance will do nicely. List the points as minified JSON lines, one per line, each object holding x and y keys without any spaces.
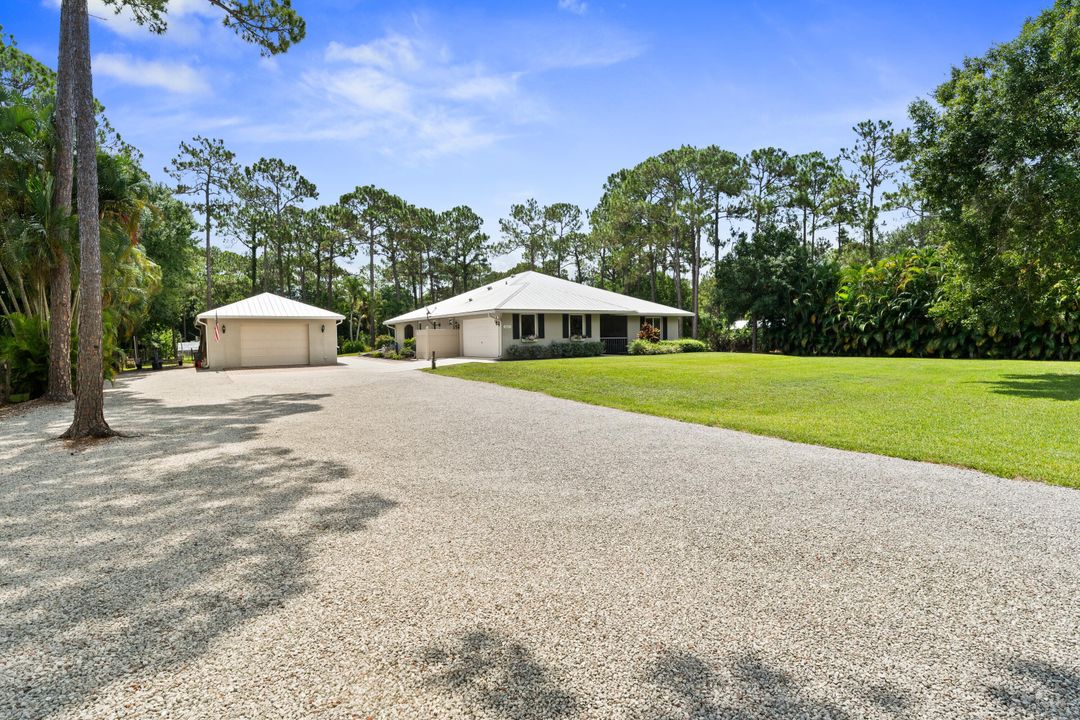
{"x":578,"y":7}
{"x":481,"y":87}
{"x":389,"y":53}
{"x":411,"y":95}
{"x":173,"y":77}
{"x":366,"y":89}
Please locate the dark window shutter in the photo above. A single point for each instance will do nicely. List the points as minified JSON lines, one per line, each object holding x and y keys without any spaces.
{"x":588,"y":326}
{"x":663,"y":322}
{"x":641,"y":322}
{"x":517,"y":326}
{"x":565,"y":325}
{"x":540,"y":325}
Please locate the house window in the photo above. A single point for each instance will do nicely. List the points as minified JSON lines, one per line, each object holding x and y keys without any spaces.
{"x":528,"y":326}
{"x":408,"y":332}
{"x":654,"y":321}
{"x":577,"y":325}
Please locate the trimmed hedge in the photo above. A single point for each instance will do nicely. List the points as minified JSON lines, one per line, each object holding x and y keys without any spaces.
{"x":689,"y":345}
{"x":536,"y":351}
{"x":646,"y":347}
{"x":666,"y":347}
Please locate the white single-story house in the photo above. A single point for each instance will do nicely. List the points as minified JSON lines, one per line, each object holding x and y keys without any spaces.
{"x":268,"y":330}
{"x":530,"y":307}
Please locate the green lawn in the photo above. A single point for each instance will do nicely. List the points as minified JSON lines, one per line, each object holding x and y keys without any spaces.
{"x":1011,"y":418}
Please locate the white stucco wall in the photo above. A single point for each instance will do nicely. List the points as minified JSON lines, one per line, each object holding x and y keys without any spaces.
{"x":322,"y":342}
{"x":445,"y":341}
{"x":223,"y":353}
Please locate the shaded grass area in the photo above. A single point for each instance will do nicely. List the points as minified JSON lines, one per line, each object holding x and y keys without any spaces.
{"x":1011,"y":418}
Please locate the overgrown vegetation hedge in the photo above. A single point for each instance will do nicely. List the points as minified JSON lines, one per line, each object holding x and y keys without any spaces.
{"x":904,"y":306}
{"x":536,"y":351}
{"x":353,"y":346}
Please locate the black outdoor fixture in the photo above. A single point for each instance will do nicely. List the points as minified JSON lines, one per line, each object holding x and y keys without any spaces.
{"x":222,"y":329}
{"x":322,"y":328}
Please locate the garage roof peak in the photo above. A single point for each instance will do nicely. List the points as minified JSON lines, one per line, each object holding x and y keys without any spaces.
{"x":268,"y":306}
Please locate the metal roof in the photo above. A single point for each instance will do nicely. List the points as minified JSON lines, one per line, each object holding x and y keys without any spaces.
{"x":269,"y":306}
{"x":531,"y":291}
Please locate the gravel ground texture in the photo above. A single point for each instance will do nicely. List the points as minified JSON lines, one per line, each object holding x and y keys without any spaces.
{"x":360,"y":541}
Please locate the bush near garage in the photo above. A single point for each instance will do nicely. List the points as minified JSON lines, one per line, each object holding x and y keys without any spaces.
{"x":353,"y":346}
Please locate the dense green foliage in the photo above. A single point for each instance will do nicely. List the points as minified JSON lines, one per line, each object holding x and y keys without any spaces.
{"x":539,"y":351}
{"x":990,"y":265}
{"x":1015,"y":419}
{"x":891,"y":307}
{"x":26,"y":351}
{"x":997,"y":157}
{"x":145,"y":235}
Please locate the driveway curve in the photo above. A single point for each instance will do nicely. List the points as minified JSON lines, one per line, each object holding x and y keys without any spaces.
{"x":357,"y":542}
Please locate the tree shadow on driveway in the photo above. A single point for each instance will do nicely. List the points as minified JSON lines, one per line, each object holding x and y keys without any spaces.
{"x":130,"y":558}
{"x":499,"y":674}
{"x":692,"y":688}
{"x":1040,"y":689}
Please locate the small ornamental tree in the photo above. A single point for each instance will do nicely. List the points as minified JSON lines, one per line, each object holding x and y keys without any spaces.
{"x":650,"y":333}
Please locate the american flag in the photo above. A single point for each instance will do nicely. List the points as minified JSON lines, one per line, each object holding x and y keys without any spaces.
{"x":217,"y":333}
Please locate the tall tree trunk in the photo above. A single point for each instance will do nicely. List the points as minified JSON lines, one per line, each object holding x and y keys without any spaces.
{"x":652,"y":275}
{"x":431,"y":278}
{"x":254,"y":258}
{"x":89,"y":418}
{"x":371,"y":285}
{"x":753,"y":334}
{"x":716,"y":231}
{"x":870,"y":224}
{"x":209,"y":281}
{"x":695,"y":279}
{"x":63,"y":167}
{"x":677,"y":263}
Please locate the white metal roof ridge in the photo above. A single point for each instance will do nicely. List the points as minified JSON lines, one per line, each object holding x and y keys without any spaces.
{"x":270,"y":306}
{"x":536,"y":292}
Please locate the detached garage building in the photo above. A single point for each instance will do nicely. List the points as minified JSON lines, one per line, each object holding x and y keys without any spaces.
{"x":268,"y":330}
{"x":531,"y":308}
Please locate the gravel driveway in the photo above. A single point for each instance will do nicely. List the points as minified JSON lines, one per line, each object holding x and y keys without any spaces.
{"x":348,"y":542}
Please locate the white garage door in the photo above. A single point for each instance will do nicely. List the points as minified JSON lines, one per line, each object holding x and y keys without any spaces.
{"x":479,"y":337}
{"x":273,"y":343}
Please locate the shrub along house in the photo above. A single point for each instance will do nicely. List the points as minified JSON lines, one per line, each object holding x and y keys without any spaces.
{"x":530,"y":308}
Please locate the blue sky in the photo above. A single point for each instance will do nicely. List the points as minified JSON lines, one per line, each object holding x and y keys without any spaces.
{"x":486,"y":104}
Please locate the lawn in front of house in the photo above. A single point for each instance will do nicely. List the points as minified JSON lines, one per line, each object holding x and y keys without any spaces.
{"x":1007,"y":417}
